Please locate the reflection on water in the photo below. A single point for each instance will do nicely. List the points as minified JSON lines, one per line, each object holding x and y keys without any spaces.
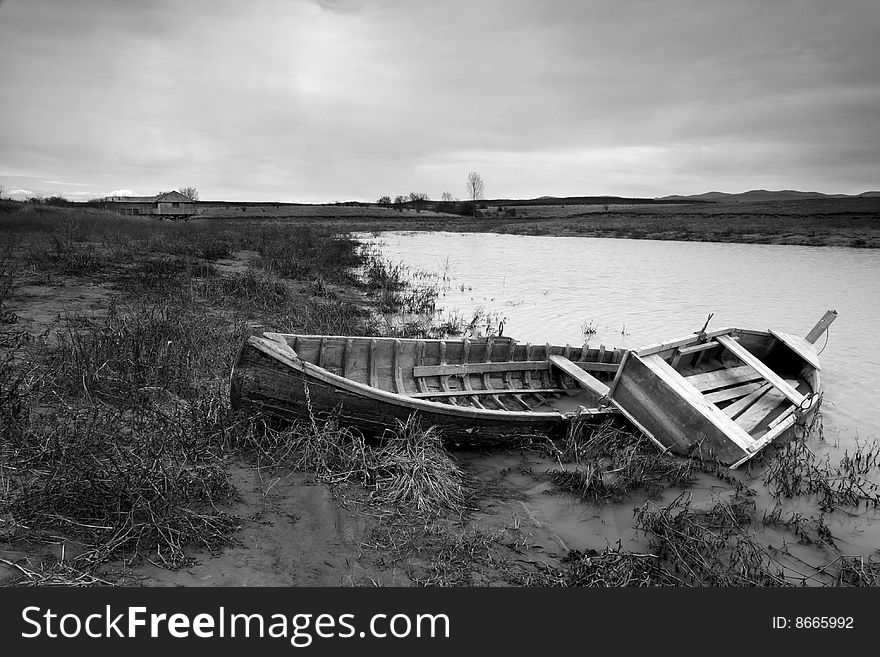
{"x":635,"y":292}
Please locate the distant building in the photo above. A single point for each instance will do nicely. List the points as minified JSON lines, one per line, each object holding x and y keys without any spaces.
{"x":170,"y":205}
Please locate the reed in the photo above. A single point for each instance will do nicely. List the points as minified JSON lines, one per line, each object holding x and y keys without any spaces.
{"x":610,"y":568}
{"x":414,"y":470}
{"x":709,"y":547}
{"x":613,"y":462}
{"x":796,"y":471}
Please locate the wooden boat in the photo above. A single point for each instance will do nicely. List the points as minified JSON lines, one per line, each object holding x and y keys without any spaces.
{"x":476,"y":391}
{"x":726,"y":394}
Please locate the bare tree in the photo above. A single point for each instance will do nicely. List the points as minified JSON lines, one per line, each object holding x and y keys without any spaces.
{"x":384,"y":200}
{"x":474,"y":188}
{"x":190,"y":192}
{"x":448,"y":197}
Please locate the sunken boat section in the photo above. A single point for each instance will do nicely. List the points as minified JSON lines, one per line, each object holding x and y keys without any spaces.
{"x":723,"y":395}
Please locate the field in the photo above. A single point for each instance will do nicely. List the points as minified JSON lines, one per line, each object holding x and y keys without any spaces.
{"x":122,"y":463}
{"x":852,"y":222}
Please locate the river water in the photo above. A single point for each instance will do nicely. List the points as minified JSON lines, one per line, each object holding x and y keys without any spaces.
{"x":630,"y":293}
{"x":636,"y":292}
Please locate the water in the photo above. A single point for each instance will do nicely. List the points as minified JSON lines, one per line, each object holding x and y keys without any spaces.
{"x":636,"y":292}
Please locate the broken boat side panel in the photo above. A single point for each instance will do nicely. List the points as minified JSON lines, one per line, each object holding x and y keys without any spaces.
{"x":659,"y":408}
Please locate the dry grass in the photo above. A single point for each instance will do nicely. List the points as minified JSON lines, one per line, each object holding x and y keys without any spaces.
{"x":611,"y":462}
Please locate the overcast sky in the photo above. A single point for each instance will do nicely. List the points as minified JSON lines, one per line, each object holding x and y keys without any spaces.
{"x":332,"y":100}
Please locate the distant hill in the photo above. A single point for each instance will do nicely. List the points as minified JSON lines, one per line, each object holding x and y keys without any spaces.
{"x":763,"y":195}
{"x":585,"y":200}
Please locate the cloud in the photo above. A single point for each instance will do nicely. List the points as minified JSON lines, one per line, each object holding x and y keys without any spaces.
{"x":335,"y":100}
{"x":341,"y":6}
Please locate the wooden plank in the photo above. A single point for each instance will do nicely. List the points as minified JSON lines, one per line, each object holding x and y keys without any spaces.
{"x":322,"y":352}
{"x":587,"y":381}
{"x":676,"y":359}
{"x":522,"y":402}
{"x":487,"y":384}
{"x":650,"y":349}
{"x":420,"y":354}
{"x":709,"y":411}
{"x":545,"y":374}
{"x":398,"y":371}
{"x":453,"y":398}
{"x":821,"y":326}
{"x":454,"y":369}
{"x":487,"y":387}
{"x":347,"y":358}
{"x":723,"y":378}
{"x":775,"y":431}
{"x":373,"y":366}
{"x":799,"y":346}
{"x":466,"y":379}
{"x":585,"y":352}
{"x":732,"y":393}
{"x":444,"y":378}
{"x":471,"y":397}
{"x":750,"y":359}
{"x":508,"y":381}
{"x":527,"y":374}
{"x":736,"y":408}
{"x":685,"y":351}
{"x":753,"y":417}
{"x":669,"y":416}
{"x":782,"y":416}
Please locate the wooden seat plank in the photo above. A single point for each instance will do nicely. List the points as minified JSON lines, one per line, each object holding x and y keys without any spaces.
{"x":750,"y":359}
{"x":586,"y":380}
{"x":736,"y":392}
{"x":723,"y":378}
{"x":738,"y":407}
{"x":692,"y":349}
{"x":753,"y":417}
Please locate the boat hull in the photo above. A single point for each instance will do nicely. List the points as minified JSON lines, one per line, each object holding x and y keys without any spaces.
{"x":277,"y":383}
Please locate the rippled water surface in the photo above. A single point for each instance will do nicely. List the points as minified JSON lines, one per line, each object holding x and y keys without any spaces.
{"x":635,"y":292}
